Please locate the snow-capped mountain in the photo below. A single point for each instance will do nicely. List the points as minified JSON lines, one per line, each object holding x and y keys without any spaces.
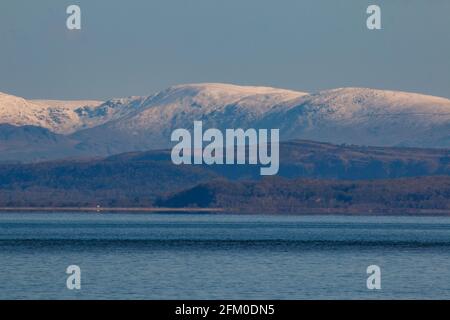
{"x":63,"y":117}
{"x":366,"y":117}
{"x":217,"y":105}
{"x":347,"y":115}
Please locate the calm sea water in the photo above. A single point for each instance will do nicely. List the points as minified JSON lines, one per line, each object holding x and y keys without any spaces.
{"x":197,"y":256}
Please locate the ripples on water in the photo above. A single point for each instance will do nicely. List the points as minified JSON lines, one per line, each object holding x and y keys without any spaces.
{"x":164,"y":256}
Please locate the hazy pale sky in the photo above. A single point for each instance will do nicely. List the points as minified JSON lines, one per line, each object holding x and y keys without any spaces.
{"x":137,"y":47}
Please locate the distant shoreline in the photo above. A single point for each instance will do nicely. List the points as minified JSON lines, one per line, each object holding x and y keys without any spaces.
{"x":299,"y":212}
{"x":106,"y":209}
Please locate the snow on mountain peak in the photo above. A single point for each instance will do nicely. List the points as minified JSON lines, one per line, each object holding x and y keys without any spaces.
{"x":56,"y":115}
{"x":66,"y":117}
{"x":221,"y":103}
{"x":354,"y":103}
{"x":212,"y":94}
{"x":366,"y":117}
{"x":230,"y":89}
{"x":375,"y":96}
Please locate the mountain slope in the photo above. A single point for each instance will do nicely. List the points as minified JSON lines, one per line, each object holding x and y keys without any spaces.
{"x":217,"y":105}
{"x":31,"y":143}
{"x":350,"y":115}
{"x":63,"y":117}
{"x":366,"y":117}
{"x":57,"y":116}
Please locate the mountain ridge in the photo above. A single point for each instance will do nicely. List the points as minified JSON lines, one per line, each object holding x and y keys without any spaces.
{"x":361,"y":116}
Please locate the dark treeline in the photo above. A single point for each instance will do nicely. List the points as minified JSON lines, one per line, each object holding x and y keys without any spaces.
{"x":149,"y":178}
{"x":280,"y":195}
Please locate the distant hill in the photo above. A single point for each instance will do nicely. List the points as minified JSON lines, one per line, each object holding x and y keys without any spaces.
{"x":142,"y":178}
{"x":34,"y":143}
{"x":425,"y":195}
{"x":58,"y":116}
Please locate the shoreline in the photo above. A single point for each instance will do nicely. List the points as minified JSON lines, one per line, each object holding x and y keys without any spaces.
{"x":106,"y":209}
{"x":299,"y":212}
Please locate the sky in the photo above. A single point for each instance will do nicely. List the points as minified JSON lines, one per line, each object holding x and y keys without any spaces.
{"x":138,"y":47}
